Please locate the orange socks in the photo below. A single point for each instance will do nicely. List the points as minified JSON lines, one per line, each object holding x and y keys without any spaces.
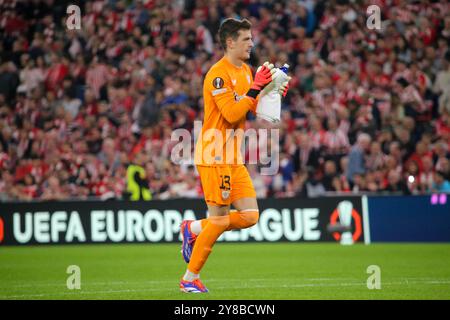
{"x":239,"y":219}
{"x":205,"y":241}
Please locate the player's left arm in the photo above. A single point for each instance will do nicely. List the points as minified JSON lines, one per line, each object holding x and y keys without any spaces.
{"x":234,"y":111}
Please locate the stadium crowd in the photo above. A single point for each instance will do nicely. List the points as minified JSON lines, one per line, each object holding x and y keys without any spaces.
{"x":367,"y":110}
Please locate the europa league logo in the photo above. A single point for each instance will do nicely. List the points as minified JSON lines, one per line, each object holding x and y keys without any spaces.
{"x":345,"y":217}
{"x":349,"y":227}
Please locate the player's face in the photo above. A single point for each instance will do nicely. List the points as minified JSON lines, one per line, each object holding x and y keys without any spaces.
{"x":244,"y":44}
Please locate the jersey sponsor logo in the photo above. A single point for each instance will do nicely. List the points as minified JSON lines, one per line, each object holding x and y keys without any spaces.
{"x":233,"y":81}
{"x":218,"y":91}
{"x":248,"y":78}
{"x":218,"y":82}
{"x":237,"y":97}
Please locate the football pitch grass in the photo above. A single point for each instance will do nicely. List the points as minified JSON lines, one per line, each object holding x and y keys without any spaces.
{"x":234,"y":271}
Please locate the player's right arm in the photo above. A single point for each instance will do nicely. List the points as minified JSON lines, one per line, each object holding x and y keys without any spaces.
{"x":222,"y":93}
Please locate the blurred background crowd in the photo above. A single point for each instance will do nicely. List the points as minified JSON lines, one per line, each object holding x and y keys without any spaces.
{"x":89,"y":113}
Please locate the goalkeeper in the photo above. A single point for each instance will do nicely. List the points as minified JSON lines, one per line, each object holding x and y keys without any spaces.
{"x":229,"y":93}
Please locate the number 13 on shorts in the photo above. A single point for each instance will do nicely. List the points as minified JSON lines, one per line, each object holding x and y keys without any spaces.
{"x":223,"y":185}
{"x":225,"y":182}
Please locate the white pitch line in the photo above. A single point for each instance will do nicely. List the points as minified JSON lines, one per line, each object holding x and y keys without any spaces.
{"x":98,"y":283}
{"x":344,"y":284}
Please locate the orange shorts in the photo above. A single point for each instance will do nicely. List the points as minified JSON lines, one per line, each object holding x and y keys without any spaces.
{"x":222,"y":185}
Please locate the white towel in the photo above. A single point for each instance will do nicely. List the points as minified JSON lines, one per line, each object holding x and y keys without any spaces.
{"x":269,"y":107}
{"x":269,"y":104}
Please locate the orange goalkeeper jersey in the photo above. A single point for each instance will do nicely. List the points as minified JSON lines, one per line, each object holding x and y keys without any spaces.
{"x":226,"y":106}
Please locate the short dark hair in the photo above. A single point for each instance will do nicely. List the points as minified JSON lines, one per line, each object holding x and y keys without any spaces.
{"x":230,"y":28}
